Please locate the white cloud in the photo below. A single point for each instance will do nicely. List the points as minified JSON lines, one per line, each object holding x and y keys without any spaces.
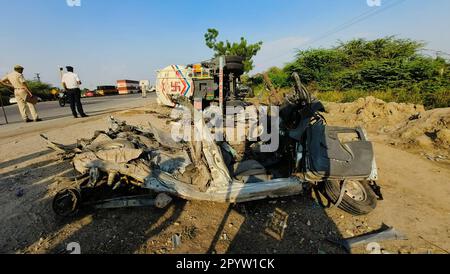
{"x":277,"y":52}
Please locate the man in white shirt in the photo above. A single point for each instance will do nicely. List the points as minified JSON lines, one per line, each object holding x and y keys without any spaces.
{"x":16,"y":81}
{"x":71,"y":84}
{"x":145,"y":85}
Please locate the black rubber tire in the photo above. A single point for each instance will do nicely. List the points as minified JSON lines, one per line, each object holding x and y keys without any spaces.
{"x":66,"y":203}
{"x":235,"y":67}
{"x":62,"y":102}
{"x":332,"y":190}
{"x":234,"y":59}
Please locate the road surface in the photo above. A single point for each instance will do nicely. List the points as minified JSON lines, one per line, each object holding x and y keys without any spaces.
{"x":92,"y":106}
{"x":55,"y":116}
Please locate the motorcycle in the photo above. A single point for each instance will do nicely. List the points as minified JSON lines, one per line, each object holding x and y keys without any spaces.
{"x":337,"y":162}
{"x":62,"y":99}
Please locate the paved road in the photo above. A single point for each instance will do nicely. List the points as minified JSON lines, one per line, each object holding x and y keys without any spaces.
{"x":56,"y":117}
{"x":92,"y":106}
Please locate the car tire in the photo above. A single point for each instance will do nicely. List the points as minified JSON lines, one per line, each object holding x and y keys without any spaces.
{"x":66,"y":203}
{"x":359,"y":200}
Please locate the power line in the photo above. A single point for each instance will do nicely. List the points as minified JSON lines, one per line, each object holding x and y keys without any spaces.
{"x":349,"y":24}
{"x":361,"y":17}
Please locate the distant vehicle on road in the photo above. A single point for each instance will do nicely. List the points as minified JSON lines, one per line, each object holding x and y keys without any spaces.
{"x":62,"y":99}
{"x":107,"y":90}
{"x":88,"y":93}
{"x":55,"y":92}
{"x":128,"y":87}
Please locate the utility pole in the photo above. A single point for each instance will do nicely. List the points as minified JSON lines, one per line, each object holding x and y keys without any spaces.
{"x":3,"y":108}
{"x":4,"y":112}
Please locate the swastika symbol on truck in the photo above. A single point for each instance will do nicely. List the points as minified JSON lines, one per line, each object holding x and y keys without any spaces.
{"x":175,"y":86}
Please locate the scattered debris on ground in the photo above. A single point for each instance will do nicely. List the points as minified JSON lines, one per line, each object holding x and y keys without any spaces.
{"x":415,"y":204}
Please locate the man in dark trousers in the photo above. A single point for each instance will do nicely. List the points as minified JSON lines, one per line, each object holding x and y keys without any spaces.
{"x":71,"y":84}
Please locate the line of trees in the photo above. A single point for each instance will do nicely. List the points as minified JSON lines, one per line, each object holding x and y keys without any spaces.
{"x":393,"y":69}
{"x":40,"y":89}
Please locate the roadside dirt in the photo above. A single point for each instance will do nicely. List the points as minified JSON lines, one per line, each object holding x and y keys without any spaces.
{"x":405,"y":126}
{"x":414,"y":181}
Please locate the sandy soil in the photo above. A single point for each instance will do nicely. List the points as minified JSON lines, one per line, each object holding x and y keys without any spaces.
{"x":416,"y":190}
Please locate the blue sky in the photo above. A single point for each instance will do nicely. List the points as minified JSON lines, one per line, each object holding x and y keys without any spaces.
{"x":106,"y":40}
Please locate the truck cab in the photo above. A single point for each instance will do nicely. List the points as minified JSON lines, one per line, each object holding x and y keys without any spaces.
{"x":205,"y":83}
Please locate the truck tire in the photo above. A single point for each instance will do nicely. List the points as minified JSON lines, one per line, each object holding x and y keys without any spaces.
{"x":235,"y":67}
{"x":234,"y":59}
{"x":360,"y":199}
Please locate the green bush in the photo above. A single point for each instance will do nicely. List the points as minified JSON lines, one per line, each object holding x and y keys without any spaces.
{"x":5,"y":100}
{"x":437,"y":99}
{"x":279,"y":77}
{"x":40,"y":89}
{"x":5,"y":93}
{"x":388,"y":68}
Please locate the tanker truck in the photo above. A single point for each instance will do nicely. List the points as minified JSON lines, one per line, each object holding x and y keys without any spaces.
{"x":215,"y":81}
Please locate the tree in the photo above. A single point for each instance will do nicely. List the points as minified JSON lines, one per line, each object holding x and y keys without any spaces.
{"x":359,"y":50}
{"x":5,"y":93}
{"x":393,"y":67}
{"x":242,"y":48}
{"x":379,"y":64}
{"x":40,"y":89}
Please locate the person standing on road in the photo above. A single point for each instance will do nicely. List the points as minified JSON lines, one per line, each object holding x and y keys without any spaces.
{"x":145,"y":85}
{"x":71,"y":84}
{"x":22,"y":93}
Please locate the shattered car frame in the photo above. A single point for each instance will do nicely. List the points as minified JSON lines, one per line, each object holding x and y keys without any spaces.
{"x":149,"y":159}
{"x":158,"y":165}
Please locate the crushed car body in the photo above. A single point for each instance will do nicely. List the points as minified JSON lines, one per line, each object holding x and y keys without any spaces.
{"x":310,"y":154}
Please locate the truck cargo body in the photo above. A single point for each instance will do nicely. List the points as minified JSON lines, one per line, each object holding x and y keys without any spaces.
{"x":128,"y":87}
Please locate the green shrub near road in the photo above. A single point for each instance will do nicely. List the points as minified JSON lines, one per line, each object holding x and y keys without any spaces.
{"x":40,"y":89}
{"x":437,"y":99}
{"x":390,"y":69}
{"x":5,"y":93}
{"x":5,"y":100}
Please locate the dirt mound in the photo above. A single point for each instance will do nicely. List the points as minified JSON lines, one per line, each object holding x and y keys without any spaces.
{"x":405,"y":124}
{"x":373,"y":114}
{"x":429,"y":131}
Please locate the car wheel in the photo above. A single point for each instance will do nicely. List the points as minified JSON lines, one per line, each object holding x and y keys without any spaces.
{"x":67,"y":202}
{"x":358,"y":199}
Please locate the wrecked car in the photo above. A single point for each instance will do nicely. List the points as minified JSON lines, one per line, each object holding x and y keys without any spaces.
{"x":338,"y":162}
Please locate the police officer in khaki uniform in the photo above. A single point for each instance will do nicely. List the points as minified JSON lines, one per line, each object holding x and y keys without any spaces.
{"x":16,"y":80}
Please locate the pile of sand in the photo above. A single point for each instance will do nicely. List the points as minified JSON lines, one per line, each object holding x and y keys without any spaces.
{"x":405,"y":124}
{"x":373,"y":114}
{"x":430,"y":131}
